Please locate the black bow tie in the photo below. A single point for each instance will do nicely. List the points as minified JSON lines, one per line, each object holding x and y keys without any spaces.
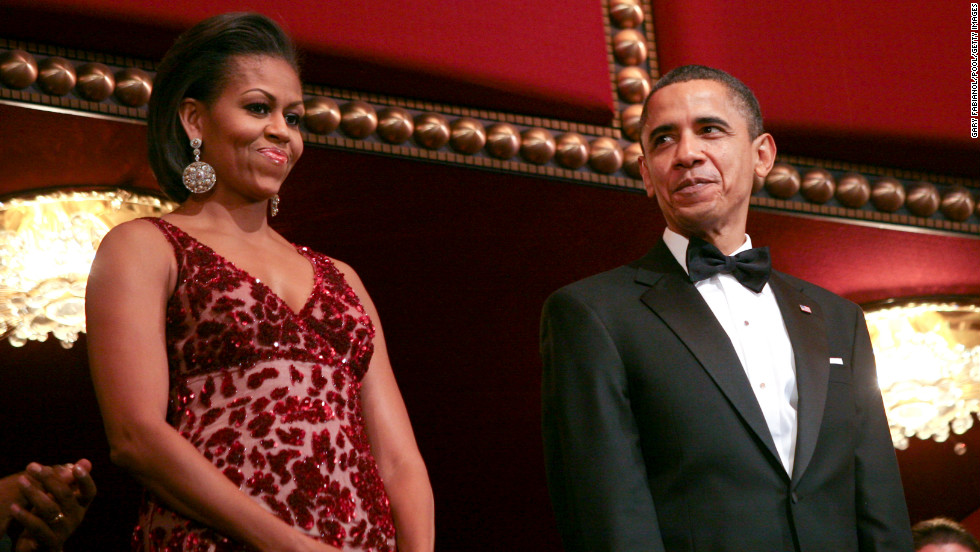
{"x":751,"y":268}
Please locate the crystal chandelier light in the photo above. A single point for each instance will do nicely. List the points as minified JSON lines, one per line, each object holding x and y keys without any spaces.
{"x":47,"y":244}
{"x":928,"y":358}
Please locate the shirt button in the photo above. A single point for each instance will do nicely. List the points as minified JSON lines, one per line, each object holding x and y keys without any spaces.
{"x":746,"y":322}
{"x":762,"y":385}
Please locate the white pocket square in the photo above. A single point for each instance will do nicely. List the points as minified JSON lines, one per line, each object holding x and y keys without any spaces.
{"x":836,"y":360}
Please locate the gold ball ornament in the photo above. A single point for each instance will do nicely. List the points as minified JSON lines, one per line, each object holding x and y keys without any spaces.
{"x":957,"y":204}
{"x":431,"y":130}
{"x":358,"y":119}
{"x":503,"y":141}
{"x":626,"y":14}
{"x":395,"y":125}
{"x":18,"y":69}
{"x":537,"y":146}
{"x":632,"y":84}
{"x":605,"y":155}
{"x":631,"y":121}
{"x":467,"y":135}
{"x":133,"y":87}
{"x":95,"y":82}
{"x":56,"y":76}
{"x":631,"y":160}
{"x":322,"y":115}
{"x":888,"y":194}
{"x":572,"y":150}
{"x":922,"y":199}
{"x":783,"y":181}
{"x":818,"y":185}
{"x":853,"y":190}
{"x":630,"y":47}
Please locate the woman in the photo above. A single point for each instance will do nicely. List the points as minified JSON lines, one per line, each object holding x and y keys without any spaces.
{"x":259,"y":414}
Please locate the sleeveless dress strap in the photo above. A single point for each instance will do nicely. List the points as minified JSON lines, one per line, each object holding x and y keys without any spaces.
{"x":177,"y":238}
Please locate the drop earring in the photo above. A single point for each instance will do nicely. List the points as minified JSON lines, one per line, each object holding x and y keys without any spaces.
{"x":274,"y":206}
{"x":198,"y":176}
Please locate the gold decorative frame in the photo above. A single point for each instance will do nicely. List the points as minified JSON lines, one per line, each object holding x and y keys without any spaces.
{"x":118,"y":88}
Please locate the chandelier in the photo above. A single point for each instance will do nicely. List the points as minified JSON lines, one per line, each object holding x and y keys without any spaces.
{"x":47,"y":244}
{"x":928,"y":358}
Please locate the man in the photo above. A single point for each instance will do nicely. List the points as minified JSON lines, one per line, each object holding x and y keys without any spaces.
{"x":943,"y":535}
{"x":699,"y":413}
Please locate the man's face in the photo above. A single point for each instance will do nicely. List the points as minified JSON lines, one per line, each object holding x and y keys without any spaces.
{"x":950,"y":547}
{"x":700,"y":160}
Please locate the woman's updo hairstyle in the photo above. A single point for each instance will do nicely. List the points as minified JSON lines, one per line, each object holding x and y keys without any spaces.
{"x":198,"y":66}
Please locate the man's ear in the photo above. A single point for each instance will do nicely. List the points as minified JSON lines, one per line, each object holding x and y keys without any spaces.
{"x":645,"y":174}
{"x":190,"y":112}
{"x":765,"y":154}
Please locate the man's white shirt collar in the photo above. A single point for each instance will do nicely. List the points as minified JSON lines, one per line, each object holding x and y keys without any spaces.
{"x":678,"y":246}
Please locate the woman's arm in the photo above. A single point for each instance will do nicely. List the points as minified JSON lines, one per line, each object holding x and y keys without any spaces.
{"x":393,"y":442}
{"x":131,"y":279}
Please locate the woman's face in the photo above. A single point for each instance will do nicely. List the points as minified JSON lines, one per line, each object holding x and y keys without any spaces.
{"x":250,"y":133}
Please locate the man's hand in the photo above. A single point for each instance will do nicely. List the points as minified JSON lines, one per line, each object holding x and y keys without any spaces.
{"x":56,"y":499}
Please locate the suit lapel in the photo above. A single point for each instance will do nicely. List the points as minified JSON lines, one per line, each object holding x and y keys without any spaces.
{"x":677,"y":302}
{"x":804,"y":323}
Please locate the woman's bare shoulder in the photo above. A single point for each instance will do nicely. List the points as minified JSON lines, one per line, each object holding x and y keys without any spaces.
{"x":134,"y":247}
{"x":134,"y":233}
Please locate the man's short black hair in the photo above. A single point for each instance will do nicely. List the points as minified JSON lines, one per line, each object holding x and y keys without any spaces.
{"x":943,"y":531}
{"x":742,"y":95}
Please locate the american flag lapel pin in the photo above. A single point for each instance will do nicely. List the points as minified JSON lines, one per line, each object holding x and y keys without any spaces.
{"x":806,"y":309}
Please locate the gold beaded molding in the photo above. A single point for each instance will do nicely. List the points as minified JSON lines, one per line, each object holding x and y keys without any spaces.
{"x":92,"y":84}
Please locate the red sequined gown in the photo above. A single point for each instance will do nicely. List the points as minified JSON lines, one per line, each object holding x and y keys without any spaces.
{"x":272,"y":398}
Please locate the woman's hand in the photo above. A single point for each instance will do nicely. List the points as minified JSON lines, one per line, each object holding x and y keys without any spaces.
{"x":56,"y":501}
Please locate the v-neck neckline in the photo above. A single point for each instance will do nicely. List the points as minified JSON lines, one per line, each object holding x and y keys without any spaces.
{"x":256,"y":281}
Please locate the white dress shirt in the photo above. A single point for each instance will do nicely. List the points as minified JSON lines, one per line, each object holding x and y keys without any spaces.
{"x":757,"y":332}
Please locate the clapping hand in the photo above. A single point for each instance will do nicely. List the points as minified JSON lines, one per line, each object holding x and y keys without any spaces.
{"x":56,"y":499}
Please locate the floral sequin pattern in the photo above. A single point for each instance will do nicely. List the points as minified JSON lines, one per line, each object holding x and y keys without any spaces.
{"x":272,"y":398}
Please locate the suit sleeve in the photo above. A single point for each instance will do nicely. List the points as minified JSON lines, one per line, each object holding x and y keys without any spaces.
{"x":596,"y":471}
{"x":882,"y":516}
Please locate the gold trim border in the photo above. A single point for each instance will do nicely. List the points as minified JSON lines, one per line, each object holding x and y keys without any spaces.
{"x":872,"y":170}
{"x":381,"y":101}
{"x":619,"y":168}
{"x":860,"y":216}
{"x":474,"y":160}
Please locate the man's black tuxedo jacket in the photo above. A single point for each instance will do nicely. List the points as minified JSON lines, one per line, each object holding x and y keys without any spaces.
{"x":655,"y":441}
